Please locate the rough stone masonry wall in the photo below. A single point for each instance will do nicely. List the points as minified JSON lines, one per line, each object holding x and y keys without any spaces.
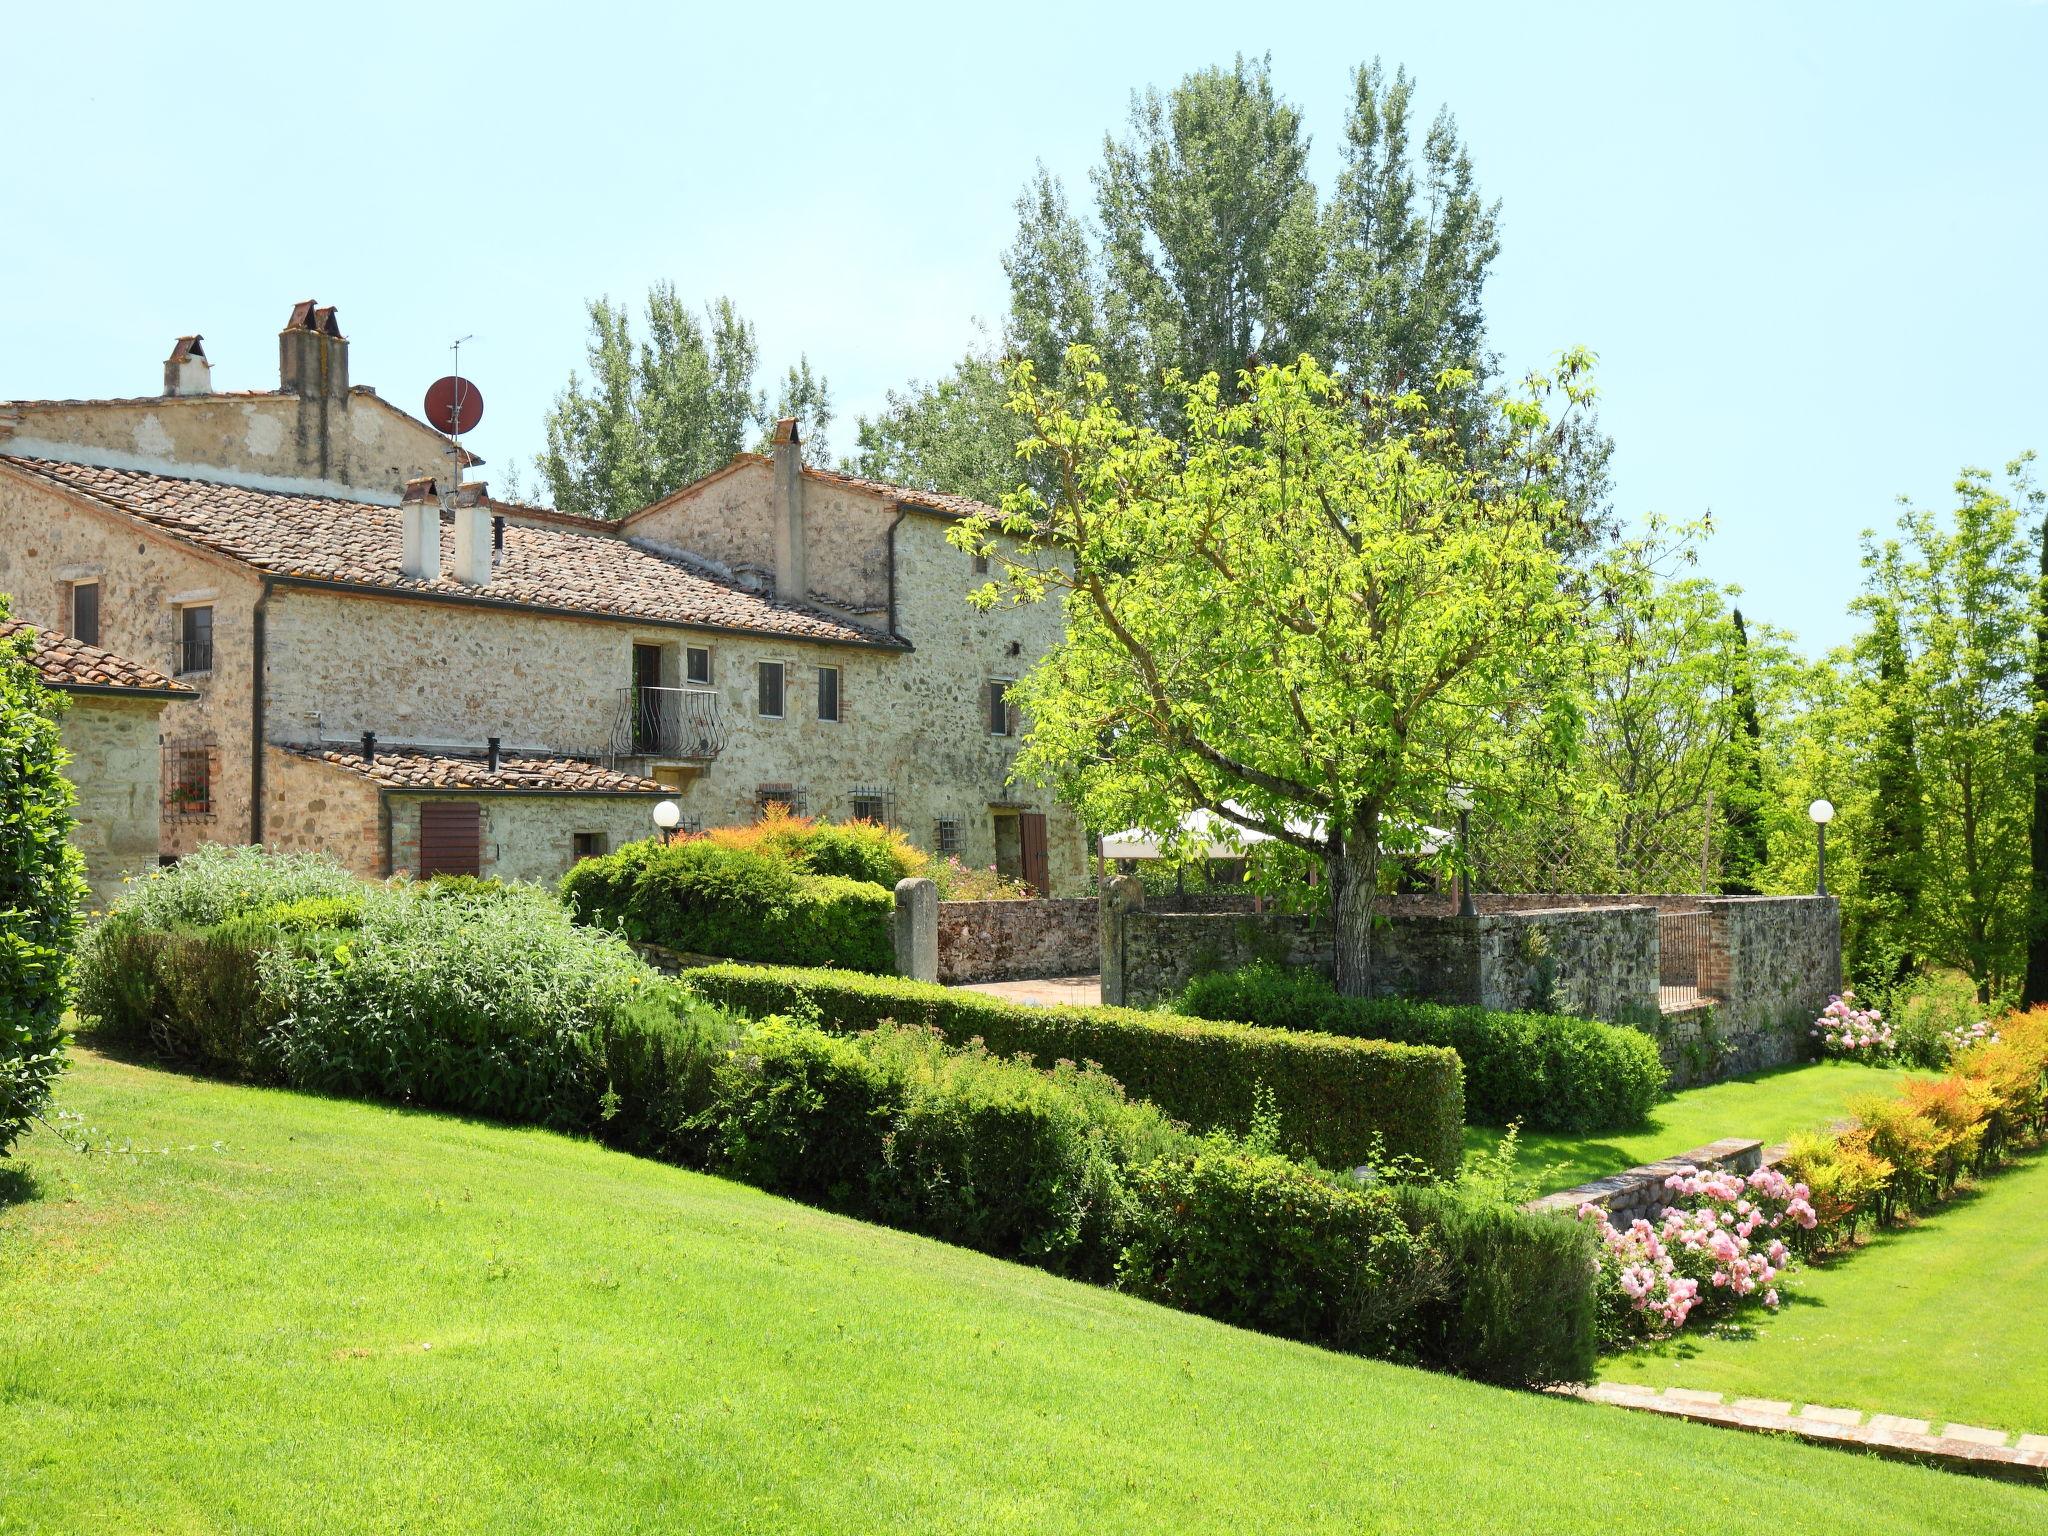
{"x":1770,"y":964}
{"x":1639,"y":1193}
{"x":51,"y":539}
{"x":1598,"y":962}
{"x":313,"y":807}
{"x":1017,"y":940}
{"x":117,"y":768}
{"x":525,"y":837}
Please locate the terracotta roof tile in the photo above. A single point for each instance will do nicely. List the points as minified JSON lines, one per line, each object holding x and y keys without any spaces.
{"x":323,"y":538}
{"x":942,"y":502}
{"x":400,"y":768}
{"x":68,"y":663}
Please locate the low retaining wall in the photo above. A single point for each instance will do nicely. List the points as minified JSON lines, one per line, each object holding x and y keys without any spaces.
{"x":1639,"y":1192}
{"x":1769,"y":966}
{"x":1018,"y":940}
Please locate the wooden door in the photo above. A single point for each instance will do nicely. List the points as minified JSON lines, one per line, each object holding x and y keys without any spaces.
{"x":1031,"y":841}
{"x":647,"y":698}
{"x":451,"y":838}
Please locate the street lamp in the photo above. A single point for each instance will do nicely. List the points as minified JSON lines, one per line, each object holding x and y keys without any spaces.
{"x":1461,"y":802}
{"x":1821,"y":813}
{"x":667,"y":817}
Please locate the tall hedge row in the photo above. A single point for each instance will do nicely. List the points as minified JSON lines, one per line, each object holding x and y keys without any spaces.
{"x":41,"y":886}
{"x":1342,"y":1102}
{"x":1551,"y":1072}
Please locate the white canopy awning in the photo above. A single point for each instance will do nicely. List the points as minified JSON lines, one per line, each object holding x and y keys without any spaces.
{"x":1217,"y":837}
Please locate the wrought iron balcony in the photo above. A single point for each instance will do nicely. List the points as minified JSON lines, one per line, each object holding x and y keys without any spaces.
{"x":194,"y":656}
{"x":680,"y":724}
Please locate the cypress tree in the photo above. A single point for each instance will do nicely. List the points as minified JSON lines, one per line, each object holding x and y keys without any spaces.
{"x":1745,"y":848}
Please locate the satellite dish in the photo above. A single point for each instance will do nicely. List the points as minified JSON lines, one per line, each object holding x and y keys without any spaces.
{"x":454,"y":405}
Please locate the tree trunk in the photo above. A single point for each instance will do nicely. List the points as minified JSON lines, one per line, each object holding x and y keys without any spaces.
{"x":1353,"y":865}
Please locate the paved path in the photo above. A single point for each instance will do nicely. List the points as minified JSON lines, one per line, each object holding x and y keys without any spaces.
{"x":1963,"y":1446}
{"x":1052,"y":992}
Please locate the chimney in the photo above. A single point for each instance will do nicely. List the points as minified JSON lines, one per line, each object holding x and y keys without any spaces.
{"x":473,"y":535}
{"x":790,"y":579}
{"x":312,"y":354}
{"x":369,"y":746}
{"x":491,"y":753}
{"x":186,"y":370}
{"x":420,"y":516}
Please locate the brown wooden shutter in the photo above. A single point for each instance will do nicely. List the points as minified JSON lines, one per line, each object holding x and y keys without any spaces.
{"x":451,"y":838}
{"x":1031,"y":850}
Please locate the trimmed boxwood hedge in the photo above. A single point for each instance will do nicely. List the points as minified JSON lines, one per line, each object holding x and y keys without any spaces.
{"x":1342,"y":1102}
{"x":1550,"y":1071}
{"x":702,"y":897}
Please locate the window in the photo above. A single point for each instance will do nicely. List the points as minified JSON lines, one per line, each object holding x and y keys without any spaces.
{"x":999,"y":708}
{"x":697,"y":666}
{"x":981,"y":562}
{"x":790,"y":797}
{"x":828,"y":693}
{"x":188,"y":781}
{"x":85,"y":611}
{"x":586,"y":845}
{"x":769,"y":704}
{"x":195,"y":639}
{"x":946,"y":836}
{"x":868,"y":802}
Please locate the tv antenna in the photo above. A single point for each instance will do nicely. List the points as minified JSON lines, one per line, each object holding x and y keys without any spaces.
{"x":454,"y":406}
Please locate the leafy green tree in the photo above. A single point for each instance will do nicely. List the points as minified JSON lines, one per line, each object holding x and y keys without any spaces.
{"x":1962,"y":592}
{"x":2034,"y":984}
{"x":656,"y":414}
{"x":41,"y":887}
{"x":1208,"y":248}
{"x":1881,"y":907}
{"x":1307,"y":617}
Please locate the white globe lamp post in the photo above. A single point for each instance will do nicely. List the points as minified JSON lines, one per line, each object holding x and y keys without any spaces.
{"x":667,"y":817}
{"x":1821,"y":813}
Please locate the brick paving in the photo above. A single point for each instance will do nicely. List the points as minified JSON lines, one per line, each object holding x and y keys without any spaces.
{"x":1966,"y":1447}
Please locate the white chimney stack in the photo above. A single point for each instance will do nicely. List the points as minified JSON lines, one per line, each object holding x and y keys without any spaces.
{"x":473,"y":535}
{"x":186,"y":370}
{"x":790,"y":577}
{"x":420,"y":509}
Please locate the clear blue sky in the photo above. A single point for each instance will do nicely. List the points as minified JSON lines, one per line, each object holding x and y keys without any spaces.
{"x":1810,"y":243}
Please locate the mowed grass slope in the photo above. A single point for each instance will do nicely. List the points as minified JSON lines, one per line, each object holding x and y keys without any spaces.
{"x":1942,"y":1320}
{"x":347,"y":1318}
{"x":1771,"y":1107}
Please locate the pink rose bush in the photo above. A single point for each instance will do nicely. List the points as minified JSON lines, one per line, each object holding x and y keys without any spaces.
{"x":1711,"y":1253}
{"x":1858,"y":1034}
{"x":1958,"y":1038}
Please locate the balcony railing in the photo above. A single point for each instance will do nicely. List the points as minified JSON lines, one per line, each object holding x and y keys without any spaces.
{"x":681,"y":724}
{"x":194,"y":656}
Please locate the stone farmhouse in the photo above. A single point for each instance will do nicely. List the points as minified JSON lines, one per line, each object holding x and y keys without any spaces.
{"x":111,"y":727}
{"x":386,"y":664}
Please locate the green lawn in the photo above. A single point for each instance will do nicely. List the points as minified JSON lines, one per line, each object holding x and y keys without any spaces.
{"x":1771,"y":1107}
{"x":1939,"y":1321}
{"x":265,"y":1312}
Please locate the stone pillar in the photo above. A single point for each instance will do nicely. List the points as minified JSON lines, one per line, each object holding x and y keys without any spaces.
{"x":1119,"y":894}
{"x":917,"y":929}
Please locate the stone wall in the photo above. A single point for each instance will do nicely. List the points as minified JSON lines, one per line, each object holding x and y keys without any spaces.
{"x":525,"y":837}
{"x":51,"y":539}
{"x":1597,"y":962}
{"x":117,"y":768}
{"x":1017,"y":940}
{"x":311,"y":807}
{"x":1640,"y":1193}
{"x":1769,"y":965}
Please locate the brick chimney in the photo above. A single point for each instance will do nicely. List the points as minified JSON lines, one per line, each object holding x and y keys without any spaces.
{"x":312,"y":354}
{"x":473,"y":535}
{"x":420,"y":510}
{"x":790,"y":577}
{"x":186,"y":370}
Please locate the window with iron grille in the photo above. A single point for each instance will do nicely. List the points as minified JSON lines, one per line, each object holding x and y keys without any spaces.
{"x":697,"y":666}
{"x":870,"y":802}
{"x":828,"y":693}
{"x":195,"y":639}
{"x":188,"y":780}
{"x":769,"y":702}
{"x":790,"y":797}
{"x":946,"y":835}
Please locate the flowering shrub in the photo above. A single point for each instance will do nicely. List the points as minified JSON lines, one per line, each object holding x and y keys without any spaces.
{"x":1712,"y":1252}
{"x":963,"y":882}
{"x":1859,"y":1034}
{"x":1958,"y":1038}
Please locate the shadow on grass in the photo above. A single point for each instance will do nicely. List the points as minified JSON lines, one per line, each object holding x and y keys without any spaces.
{"x":17,"y":1186}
